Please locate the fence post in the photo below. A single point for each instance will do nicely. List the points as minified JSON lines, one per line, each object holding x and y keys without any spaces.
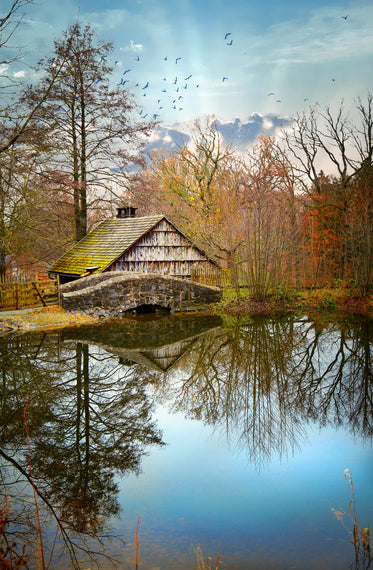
{"x":58,"y":291}
{"x":17,"y":296}
{"x":39,"y":294}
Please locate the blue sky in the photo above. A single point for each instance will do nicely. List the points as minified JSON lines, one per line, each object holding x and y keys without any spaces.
{"x":278,"y":57}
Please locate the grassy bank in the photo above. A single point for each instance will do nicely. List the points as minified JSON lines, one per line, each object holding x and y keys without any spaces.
{"x":290,"y":300}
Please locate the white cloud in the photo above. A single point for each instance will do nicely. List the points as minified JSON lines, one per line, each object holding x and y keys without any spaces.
{"x":324,"y":37}
{"x":132,"y":47}
{"x":21,"y":73}
{"x":135,"y":47}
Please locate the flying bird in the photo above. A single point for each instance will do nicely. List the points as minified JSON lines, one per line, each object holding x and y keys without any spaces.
{"x":146,"y":85}
{"x":227,"y":35}
{"x":186,"y":79}
{"x":230,"y":43}
{"x":124,"y":72}
{"x":270,"y":94}
{"x":177,"y":59}
{"x":224,"y":79}
{"x":345,"y":17}
{"x":175,"y":81}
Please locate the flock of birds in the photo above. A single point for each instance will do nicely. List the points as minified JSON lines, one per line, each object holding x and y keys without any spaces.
{"x":175,"y":84}
{"x":175,"y":87}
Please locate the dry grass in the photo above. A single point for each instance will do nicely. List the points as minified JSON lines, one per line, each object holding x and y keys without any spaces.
{"x":44,"y":318}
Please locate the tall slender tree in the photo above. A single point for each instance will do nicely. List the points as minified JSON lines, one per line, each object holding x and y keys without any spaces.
{"x":91,"y":124}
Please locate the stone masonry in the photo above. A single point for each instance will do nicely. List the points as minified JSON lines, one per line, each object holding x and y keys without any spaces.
{"x":121,"y":291}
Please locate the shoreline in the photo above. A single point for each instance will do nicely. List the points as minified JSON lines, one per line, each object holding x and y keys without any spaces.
{"x":327,"y":301}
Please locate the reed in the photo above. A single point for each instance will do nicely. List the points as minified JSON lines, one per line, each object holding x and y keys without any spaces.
{"x":137,"y":543}
{"x":205,"y":564}
{"x":360,"y":535}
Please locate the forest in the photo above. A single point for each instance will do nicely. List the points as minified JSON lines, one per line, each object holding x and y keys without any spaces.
{"x":294,"y":210}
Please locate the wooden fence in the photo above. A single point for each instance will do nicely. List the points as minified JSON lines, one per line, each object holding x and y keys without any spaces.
{"x":27,"y":292}
{"x":209,"y":276}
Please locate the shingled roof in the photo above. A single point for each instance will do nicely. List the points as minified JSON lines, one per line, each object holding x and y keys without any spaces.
{"x":104,"y":245}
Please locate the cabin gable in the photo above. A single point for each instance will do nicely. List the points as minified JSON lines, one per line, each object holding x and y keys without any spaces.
{"x":164,"y":250}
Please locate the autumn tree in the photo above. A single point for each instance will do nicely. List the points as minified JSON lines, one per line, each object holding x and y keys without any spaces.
{"x":90,"y":124}
{"x":340,"y":143}
{"x":198,"y":187}
{"x":271,"y":218}
{"x":360,"y":229}
{"x":34,"y":215}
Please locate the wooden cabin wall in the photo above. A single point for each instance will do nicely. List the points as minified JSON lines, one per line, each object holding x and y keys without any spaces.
{"x":163,"y":250}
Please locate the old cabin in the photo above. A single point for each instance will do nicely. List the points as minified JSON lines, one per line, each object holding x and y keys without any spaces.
{"x":149,"y":244}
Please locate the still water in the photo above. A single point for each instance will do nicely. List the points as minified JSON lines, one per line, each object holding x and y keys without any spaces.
{"x":226,"y":436}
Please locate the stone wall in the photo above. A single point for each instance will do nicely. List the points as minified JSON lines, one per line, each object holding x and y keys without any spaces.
{"x":121,"y":291}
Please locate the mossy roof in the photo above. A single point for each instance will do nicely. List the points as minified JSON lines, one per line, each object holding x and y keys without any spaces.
{"x":104,"y":244}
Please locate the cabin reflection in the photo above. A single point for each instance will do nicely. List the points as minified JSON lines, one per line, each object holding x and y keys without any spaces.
{"x":159,"y":343}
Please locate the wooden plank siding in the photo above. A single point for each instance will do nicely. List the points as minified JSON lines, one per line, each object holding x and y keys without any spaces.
{"x":21,"y":293}
{"x":162,"y":250}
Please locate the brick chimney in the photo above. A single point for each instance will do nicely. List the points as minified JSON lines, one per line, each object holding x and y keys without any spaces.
{"x":126,"y":212}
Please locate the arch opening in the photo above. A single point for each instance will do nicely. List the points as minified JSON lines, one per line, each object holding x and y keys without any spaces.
{"x":150,"y":308}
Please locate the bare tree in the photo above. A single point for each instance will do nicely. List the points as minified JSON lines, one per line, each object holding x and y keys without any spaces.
{"x":340,"y":142}
{"x":11,"y":91}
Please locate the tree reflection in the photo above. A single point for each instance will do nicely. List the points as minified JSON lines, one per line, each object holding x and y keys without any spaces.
{"x":332,"y":372}
{"x":88,"y":418}
{"x":260,"y":379}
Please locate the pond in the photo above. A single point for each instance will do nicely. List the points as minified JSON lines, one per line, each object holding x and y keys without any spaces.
{"x":152,"y":440}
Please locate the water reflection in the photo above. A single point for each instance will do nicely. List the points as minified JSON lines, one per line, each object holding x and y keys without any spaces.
{"x":90,"y":394}
{"x":88,"y":418}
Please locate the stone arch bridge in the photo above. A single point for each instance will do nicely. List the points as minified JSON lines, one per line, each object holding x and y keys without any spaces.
{"x":119,"y":291}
